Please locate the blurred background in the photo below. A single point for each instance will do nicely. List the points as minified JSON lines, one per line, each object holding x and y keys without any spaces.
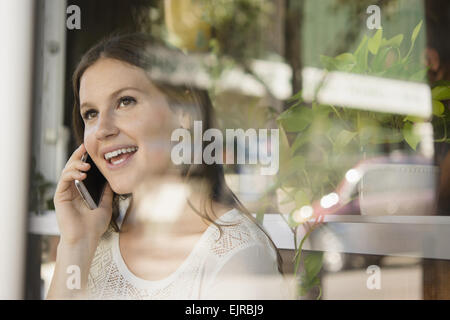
{"x":359,"y":91}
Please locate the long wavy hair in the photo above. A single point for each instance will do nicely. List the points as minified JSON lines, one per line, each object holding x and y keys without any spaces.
{"x":138,"y":50}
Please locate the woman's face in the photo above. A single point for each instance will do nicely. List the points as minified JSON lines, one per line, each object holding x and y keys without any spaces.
{"x":123,"y":110}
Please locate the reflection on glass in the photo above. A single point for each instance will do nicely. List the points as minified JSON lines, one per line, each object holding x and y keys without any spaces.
{"x":361,"y":113}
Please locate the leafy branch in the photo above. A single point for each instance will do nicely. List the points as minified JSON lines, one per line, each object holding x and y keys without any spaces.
{"x":322,"y":141}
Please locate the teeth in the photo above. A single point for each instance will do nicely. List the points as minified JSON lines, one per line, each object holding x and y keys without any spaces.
{"x":118,"y":161}
{"x":115,"y":153}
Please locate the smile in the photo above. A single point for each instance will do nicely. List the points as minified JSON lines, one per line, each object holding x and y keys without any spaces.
{"x":120,"y":160}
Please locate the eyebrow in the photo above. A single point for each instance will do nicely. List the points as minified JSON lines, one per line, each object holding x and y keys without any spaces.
{"x":112,"y":95}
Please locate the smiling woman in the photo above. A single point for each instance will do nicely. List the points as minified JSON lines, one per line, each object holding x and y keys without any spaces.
{"x":117,"y":100}
{"x":161,"y":231}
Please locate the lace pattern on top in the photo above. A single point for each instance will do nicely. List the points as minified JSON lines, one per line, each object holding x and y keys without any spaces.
{"x":109,"y":277}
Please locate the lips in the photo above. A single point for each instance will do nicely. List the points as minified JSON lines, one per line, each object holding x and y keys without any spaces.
{"x":105,"y":150}
{"x":120,"y":161}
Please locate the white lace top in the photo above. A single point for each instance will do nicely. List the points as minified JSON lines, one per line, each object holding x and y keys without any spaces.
{"x":240,"y":265}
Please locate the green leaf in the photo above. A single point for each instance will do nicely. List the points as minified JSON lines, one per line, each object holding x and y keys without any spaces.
{"x":328,"y":63}
{"x":296,"y":97}
{"x":291,"y":222}
{"x":413,"y":119}
{"x":365,"y":134}
{"x":296,"y":118}
{"x":301,"y":199}
{"x":438,"y":108}
{"x":286,"y":200}
{"x":375,"y":42}
{"x":416,"y":32}
{"x":307,"y":284}
{"x":361,"y":55}
{"x":343,"y":138}
{"x":362,"y":45}
{"x":441,"y":93}
{"x":313,"y":264}
{"x":395,"y":70}
{"x":346,"y":58}
{"x":294,"y":164}
{"x":445,"y":83}
{"x":419,"y":75}
{"x":285,"y":155}
{"x":321,"y":110}
{"x":413,"y":40}
{"x":382,"y":118}
{"x":394,"y":42}
{"x":410,"y":137}
{"x":299,"y":141}
{"x":288,"y":113}
{"x":345,"y":62}
{"x":379,"y":61}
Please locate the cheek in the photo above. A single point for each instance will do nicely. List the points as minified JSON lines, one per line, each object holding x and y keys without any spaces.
{"x":158,"y":121}
{"x":89,"y":141}
{"x":156,"y":132}
{"x":160,"y":118}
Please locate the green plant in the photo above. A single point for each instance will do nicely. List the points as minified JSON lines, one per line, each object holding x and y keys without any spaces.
{"x":243,"y":19}
{"x":321,"y":142}
{"x":38,"y":191}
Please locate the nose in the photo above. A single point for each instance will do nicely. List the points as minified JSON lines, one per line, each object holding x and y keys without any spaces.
{"x":106,"y":127}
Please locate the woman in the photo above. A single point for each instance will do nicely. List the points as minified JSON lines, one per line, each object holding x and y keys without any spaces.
{"x":136,"y":244}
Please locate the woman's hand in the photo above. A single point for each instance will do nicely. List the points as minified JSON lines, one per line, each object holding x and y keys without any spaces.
{"x":75,"y":220}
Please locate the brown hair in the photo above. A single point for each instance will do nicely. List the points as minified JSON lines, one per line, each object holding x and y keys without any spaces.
{"x":134,"y":50}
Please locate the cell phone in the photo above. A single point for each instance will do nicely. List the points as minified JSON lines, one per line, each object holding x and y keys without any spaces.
{"x":93,"y":186}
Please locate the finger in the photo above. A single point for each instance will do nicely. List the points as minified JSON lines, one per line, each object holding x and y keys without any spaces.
{"x":78,"y":153}
{"x":76,"y":165}
{"x":80,"y":165}
{"x":68,"y":177}
{"x":73,"y":175}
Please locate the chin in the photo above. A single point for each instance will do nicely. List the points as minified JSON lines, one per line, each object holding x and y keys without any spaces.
{"x":120,"y":188}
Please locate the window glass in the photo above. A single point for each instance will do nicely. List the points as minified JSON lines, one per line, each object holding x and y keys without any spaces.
{"x":324,"y":122}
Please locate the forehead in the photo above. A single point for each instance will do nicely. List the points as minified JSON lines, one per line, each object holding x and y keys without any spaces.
{"x":109,"y":75}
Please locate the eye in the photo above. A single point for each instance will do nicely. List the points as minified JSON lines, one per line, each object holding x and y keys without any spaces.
{"x":126,"y":101}
{"x":86,"y":114}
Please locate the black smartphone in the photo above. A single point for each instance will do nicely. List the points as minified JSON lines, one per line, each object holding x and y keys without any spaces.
{"x":92,"y":187}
